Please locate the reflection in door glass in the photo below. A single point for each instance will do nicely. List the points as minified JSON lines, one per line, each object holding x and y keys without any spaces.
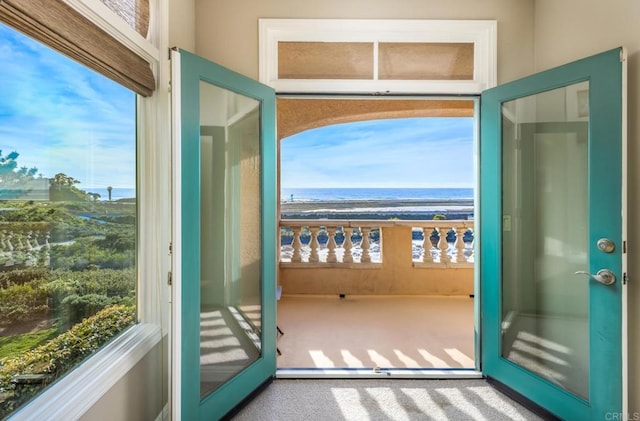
{"x":230,"y":230}
{"x":545,"y":235}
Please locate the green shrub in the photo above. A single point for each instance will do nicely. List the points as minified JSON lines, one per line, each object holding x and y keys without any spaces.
{"x":23,"y":276}
{"x":20,"y":303}
{"x":88,"y":253}
{"x":61,"y":288}
{"x":109,"y":282}
{"x":58,"y":355}
{"x":70,"y":295}
{"x":79,"y":307}
{"x":76,"y":295}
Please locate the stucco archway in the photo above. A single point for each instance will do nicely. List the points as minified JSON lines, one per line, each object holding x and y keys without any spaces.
{"x":295,"y":115}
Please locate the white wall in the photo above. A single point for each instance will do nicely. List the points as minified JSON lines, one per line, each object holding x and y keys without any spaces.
{"x":182,"y":31}
{"x":572,"y":29}
{"x":140,"y":395}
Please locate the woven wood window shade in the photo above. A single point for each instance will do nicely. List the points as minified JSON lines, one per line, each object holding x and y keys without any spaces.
{"x":134,"y":12}
{"x":58,"y":26}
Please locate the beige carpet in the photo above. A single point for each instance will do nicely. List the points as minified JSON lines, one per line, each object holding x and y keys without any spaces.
{"x":376,"y":331}
{"x":369,"y":400}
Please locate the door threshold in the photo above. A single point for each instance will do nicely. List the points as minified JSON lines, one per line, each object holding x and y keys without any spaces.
{"x":375,"y":373}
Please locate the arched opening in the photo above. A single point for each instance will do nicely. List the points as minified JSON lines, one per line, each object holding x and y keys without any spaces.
{"x":377,"y":209}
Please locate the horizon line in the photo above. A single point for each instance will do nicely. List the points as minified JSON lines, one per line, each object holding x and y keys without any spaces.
{"x":383,"y":187}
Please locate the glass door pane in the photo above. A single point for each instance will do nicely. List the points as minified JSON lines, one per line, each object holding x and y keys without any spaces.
{"x":230,"y":237}
{"x":553,"y":246}
{"x":545,"y":202}
{"x":225,"y":237}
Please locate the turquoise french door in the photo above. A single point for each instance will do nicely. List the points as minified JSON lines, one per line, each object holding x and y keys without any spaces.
{"x":553,"y":257}
{"x":225,"y":211}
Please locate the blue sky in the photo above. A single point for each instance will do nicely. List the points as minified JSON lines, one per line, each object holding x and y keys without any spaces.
{"x":61,"y":117}
{"x":411,"y":152}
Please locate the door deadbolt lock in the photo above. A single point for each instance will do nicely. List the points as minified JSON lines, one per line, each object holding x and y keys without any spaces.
{"x":605,"y":245}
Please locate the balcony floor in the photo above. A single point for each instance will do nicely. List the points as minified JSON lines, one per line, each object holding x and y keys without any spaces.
{"x":376,"y":331}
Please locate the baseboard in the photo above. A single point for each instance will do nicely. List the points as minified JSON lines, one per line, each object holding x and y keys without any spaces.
{"x":164,"y":414}
{"x":246,"y":400}
{"x":522,"y":400}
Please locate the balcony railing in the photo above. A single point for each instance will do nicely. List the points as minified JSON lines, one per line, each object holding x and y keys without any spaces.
{"x":397,"y":257}
{"x":24,"y":244}
{"x":358,"y":243}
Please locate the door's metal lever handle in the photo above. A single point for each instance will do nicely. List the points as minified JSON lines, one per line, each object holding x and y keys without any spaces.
{"x":604,"y":276}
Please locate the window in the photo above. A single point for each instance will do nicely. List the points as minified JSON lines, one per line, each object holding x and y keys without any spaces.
{"x":378,"y":56}
{"x":68,"y":216}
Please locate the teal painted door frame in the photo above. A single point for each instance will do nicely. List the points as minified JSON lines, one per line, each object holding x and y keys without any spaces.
{"x":193,"y":71}
{"x":605,"y":74}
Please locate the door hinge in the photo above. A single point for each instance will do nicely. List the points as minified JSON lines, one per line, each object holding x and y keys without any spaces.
{"x":625,"y":278}
{"x":170,"y":278}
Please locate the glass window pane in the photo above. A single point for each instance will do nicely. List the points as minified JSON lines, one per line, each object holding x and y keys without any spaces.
{"x":67,"y":215}
{"x":545,"y":235}
{"x":230,"y":235}
{"x":325,"y":60}
{"x":425,"y":61}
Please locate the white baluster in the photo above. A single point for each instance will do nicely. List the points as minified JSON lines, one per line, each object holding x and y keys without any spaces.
{"x":313,"y":244}
{"x":29,"y":247}
{"x":347,"y":245}
{"x":366,"y":257}
{"x":331,"y":245}
{"x":427,"y":257}
{"x":443,"y":245}
{"x":472,"y":249}
{"x":46,"y":247}
{"x":19,"y":246}
{"x":9,"y":245}
{"x":36,"y":243}
{"x":460,"y":257}
{"x":30,"y":259}
{"x":296,"y":257}
{"x":10,"y":261}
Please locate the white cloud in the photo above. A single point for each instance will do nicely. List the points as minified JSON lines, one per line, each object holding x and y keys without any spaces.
{"x":417,"y":152}
{"x":61,"y":117}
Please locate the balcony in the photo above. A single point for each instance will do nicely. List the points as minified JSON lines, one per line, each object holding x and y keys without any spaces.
{"x":372,"y":293}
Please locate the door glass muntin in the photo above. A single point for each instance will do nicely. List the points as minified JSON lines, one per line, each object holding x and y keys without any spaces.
{"x":231,"y":235}
{"x":545,"y":202}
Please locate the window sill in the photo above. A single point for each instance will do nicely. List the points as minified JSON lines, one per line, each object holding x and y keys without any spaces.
{"x":72,"y":395}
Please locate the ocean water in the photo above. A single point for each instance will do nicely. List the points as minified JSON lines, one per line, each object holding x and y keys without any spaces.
{"x":116,"y":192}
{"x":333,"y":194}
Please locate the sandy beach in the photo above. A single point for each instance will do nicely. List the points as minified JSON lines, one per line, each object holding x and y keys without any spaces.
{"x":305,"y":206}
{"x":378,"y":209}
